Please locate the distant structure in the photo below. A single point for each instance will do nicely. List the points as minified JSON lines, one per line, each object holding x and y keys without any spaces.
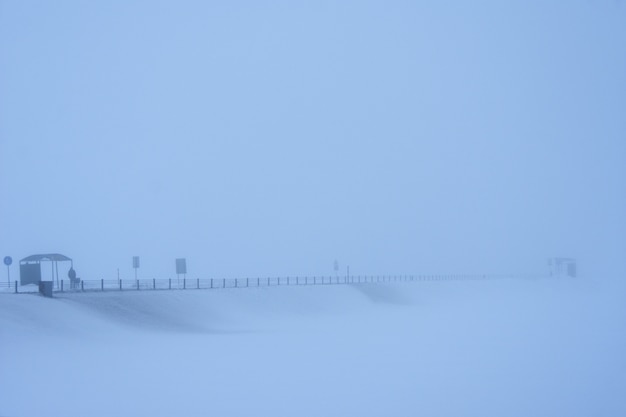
{"x":30,"y":271}
{"x":562,"y":267}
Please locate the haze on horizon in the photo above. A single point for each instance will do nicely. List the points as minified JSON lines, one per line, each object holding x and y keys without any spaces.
{"x":271,"y":139}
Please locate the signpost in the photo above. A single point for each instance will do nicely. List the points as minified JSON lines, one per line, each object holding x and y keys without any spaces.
{"x":181,"y":268}
{"x":8,"y":261}
{"x":136,"y":265}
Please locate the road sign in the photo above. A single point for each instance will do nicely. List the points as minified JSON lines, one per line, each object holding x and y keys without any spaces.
{"x":181,"y":266}
{"x":8,"y":261}
{"x":136,"y":265}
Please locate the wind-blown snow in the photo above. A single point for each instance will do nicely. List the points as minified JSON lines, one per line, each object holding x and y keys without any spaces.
{"x":479,"y":348}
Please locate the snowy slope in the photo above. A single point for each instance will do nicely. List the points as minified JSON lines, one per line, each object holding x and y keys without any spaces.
{"x":479,"y":348}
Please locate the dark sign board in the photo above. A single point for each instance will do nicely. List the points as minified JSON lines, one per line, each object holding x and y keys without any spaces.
{"x":181,"y":266}
{"x":8,"y":260}
{"x":30,"y":274}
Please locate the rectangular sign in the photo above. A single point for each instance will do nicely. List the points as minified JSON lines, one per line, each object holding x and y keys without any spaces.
{"x":181,"y":266}
{"x":135,"y":262}
{"x":30,"y":273}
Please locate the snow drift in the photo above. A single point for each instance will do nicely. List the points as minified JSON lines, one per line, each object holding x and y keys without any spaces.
{"x":479,"y":348}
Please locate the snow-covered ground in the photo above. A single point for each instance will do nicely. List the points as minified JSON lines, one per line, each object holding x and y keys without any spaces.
{"x":460,"y":348}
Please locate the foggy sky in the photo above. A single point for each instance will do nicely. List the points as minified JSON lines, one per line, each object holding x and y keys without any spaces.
{"x":271,"y":138}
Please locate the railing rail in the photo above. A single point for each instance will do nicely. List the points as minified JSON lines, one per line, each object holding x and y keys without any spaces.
{"x":221,"y":283}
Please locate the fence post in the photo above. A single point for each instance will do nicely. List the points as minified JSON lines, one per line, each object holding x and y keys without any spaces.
{"x":170,"y":283}
{"x":61,"y":285}
{"x":198,"y":283}
{"x":120,"y":285}
{"x":184,"y":283}
{"x":82,"y":285}
{"x":258,"y":282}
{"x":211,"y":282}
{"x":15,"y":286}
{"x":101,"y":284}
{"x":224,"y":283}
{"x":137,"y":285}
{"x":236,"y":282}
{"x":154,"y":283}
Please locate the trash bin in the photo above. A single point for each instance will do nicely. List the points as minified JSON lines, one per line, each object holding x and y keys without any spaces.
{"x":45,"y":288}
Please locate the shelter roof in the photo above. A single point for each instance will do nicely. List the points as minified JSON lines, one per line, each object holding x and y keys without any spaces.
{"x":46,"y":257}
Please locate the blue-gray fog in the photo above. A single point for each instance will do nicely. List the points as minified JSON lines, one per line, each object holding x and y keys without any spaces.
{"x":271,"y":138}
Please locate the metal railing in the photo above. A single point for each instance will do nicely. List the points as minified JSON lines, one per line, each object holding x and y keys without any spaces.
{"x":220,"y":283}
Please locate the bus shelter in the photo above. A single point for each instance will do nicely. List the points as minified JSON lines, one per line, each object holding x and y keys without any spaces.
{"x":31,"y":268}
